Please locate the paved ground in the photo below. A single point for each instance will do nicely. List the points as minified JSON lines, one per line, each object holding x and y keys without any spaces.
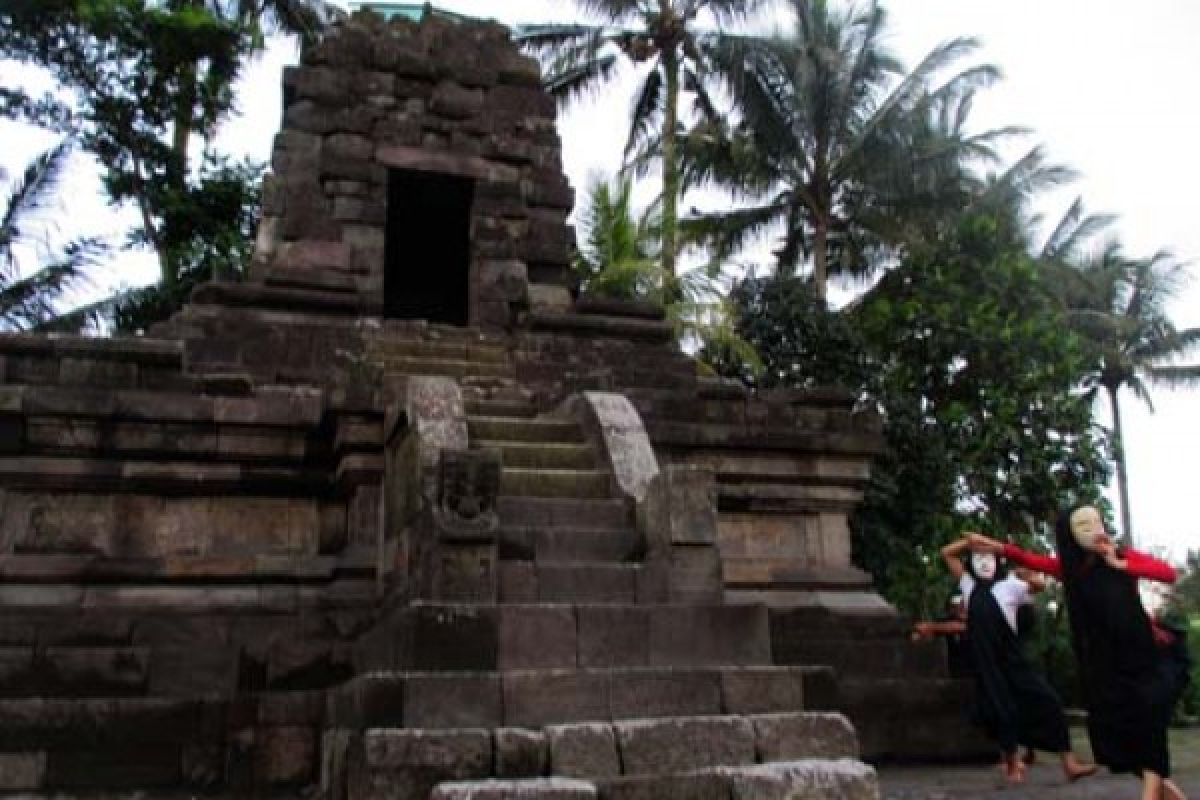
{"x":1045,"y":780}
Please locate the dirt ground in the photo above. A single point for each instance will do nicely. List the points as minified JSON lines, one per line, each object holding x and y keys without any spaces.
{"x":1045,"y":778}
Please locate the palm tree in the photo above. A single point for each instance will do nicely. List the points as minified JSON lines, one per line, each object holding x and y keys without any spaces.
{"x":1118,"y":307}
{"x":619,"y":249}
{"x":663,"y":33}
{"x":29,"y":296}
{"x":253,"y":20}
{"x":836,"y":143}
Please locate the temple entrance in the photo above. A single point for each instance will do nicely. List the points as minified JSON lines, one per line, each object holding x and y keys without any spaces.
{"x":427,"y":255}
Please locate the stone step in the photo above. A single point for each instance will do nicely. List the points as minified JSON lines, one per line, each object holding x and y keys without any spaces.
{"x":913,"y":718}
{"x":544,"y":455}
{"x":38,"y":723}
{"x":532,"y":698}
{"x":452,"y":368}
{"x":533,"y":582}
{"x":521,"y":789}
{"x":785,"y":755}
{"x":828,"y":779}
{"x":550,"y":512}
{"x":79,"y":671}
{"x":497,"y":407}
{"x":870,"y":658}
{"x":542,"y":482}
{"x":516,"y":429}
{"x":424,"y":331}
{"x":439,"y":350}
{"x":473,"y":637}
{"x":558,"y":544}
{"x":819,"y":623}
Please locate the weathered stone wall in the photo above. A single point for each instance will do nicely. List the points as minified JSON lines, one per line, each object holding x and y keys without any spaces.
{"x":790,"y":468}
{"x":436,"y":97}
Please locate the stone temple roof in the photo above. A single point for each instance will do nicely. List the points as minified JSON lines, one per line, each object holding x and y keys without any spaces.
{"x":413,"y":11}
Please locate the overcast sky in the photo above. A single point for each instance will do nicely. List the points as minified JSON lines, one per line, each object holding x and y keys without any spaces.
{"x":1107,"y":85}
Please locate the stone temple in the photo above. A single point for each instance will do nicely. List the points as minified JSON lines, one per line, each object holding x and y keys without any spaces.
{"x":404,"y":517}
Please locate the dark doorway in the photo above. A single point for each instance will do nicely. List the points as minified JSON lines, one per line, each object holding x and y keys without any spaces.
{"x":426,"y":258}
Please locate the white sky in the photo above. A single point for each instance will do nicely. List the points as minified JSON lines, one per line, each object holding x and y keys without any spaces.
{"x":1107,"y":85}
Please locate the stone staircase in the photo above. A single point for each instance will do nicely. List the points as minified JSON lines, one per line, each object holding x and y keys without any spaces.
{"x":440,"y":350}
{"x":580,"y":680}
{"x":567,"y":533}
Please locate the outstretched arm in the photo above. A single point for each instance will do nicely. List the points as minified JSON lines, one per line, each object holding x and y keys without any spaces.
{"x":952,"y":556}
{"x":1038,"y":563}
{"x":927,"y":630}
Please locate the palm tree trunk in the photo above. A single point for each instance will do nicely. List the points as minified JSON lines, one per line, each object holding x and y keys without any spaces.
{"x":1122,"y":473}
{"x":670,"y":174}
{"x":820,"y":266}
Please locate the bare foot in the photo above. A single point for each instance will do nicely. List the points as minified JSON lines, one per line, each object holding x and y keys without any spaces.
{"x":1171,"y":791}
{"x":1014,"y":770}
{"x":1077,"y":771}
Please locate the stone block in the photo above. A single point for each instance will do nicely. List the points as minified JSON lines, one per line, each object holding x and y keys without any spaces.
{"x":587,"y":583}
{"x":665,"y":693}
{"x":707,"y":785}
{"x":96,"y":374}
{"x":374,"y":700}
{"x":650,"y":746}
{"x":520,"y":752}
{"x":456,"y":102}
{"x":203,"y":765}
{"x":16,"y":670}
{"x":844,"y":779}
{"x":60,"y":523}
{"x":547,"y":297}
{"x":405,"y":59}
{"x":292,"y":709}
{"x":453,"y":753}
{"x":17,"y":596}
{"x":518,"y":581}
{"x":536,"y":637}
{"x":611,"y":636}
{"x":587,"y":750}
{"x":452,"y":701}
{"x":110,"y":671}
{"x":465,"y":573}
{"x":502,"y":281}
{"x":519,"y":102}
{"x":22,"y":771}
{"x":330,"y":87}
{"x":125,"y":766}
{"x":543,"y":698}
{"x":285,"y":755}
{"x":716,"y":635}
{"x":788,"y":737}
{"x":529,"y":789}
{"x":759,"y":690}
{"x":453,"y":638}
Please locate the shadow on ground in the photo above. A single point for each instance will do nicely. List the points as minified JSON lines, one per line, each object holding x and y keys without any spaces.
{"x":1045,"y":778}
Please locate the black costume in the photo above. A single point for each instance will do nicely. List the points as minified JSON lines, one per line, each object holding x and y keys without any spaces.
{"x":1130,"y":683}
{"x":1013,"y":702}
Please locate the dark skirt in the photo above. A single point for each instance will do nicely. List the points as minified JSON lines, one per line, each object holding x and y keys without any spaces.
{"x":1013,"y":702}
{"x":1127,"y":724}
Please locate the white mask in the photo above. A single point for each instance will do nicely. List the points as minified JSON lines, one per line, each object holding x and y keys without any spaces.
{"x":983,"y":565}
{"x":1087,"y":526}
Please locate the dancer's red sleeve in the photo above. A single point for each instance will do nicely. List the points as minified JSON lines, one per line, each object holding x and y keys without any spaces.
{"x":1142,"y":565}
{"x":1039,"y":563}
